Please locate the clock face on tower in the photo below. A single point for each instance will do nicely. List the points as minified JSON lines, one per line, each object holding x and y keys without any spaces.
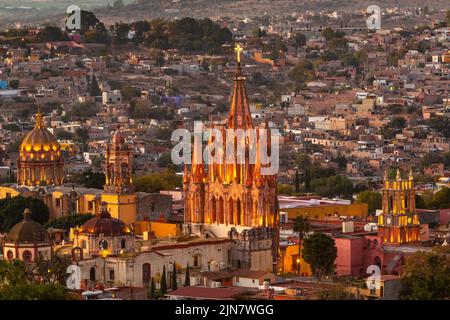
{"x":410,"y":220}
{"x":388,"y":221}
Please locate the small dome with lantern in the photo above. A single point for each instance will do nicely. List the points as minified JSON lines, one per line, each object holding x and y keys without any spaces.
{"x":104,"y":224}
{"x":102,"y":236}
{"x":26,"y":240}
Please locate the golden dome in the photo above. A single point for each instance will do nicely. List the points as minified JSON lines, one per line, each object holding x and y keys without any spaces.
{"x":40,"y":162}
{"x":39,"y":143}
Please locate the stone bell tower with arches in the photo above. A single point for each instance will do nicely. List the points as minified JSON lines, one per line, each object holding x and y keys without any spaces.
{"x":399,"y":222}
{"x":118,"y":192}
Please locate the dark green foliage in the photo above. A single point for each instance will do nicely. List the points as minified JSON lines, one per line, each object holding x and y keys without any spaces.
{"x":174,"y":277}
{"x":372,"y":198}
{"x":52,"y":33}
{"x":187,"y":280}
{"x":155,"y":182}
{"x":94,"y":89}
{"x":427,"y":277}
{"x":152,"y":290}
{"x":69,"y":221}
{"x":19,"y":282}
{"x":89,"y":179}
{"x":319,"y":251}
{"x":11,"y":211}
{"x":185,"y":34}
{"x":164,"y":281}
{"x":440,"y":124}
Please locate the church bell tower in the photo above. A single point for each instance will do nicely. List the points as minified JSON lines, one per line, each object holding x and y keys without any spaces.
{"x":119,"y":194}
{"x":399,"y":222}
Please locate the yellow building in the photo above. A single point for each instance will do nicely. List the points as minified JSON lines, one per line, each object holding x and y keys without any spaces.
{"x":119,"y":194}
{"x":160,"y":229}
{"x":320,"y":209}
{"x":290,"y":261}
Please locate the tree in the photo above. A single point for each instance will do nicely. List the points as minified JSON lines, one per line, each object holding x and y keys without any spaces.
{"x":164,"y":282}
{"x":174,"y":277}
{"x":89,"y":179}
{"x":11,"y":211}
{"x":52,"y":33}
{"x":129,"y":92}
{"x":18,"y":282}
{"x":94,"y":89}
{"x":34,"y":291}
{"x":319,"y":251}
{"x":82,"y":135}
{"x":307,"y":179}
{"x":187,"y":280}
{"x":427,"y":276}
{"x":152,"y":292}
{"x":14,"y":84}
{"x":155,"y":182}
{"x":70,"y":221}
{"x":441,"y":199}
{"x":301,"y":226}
{"x":300,"y":40}
{"x":371,"y":198}
{"x":297,"y":181}
{"x":302,"y":72}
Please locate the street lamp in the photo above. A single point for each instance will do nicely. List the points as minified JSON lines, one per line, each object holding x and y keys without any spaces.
{"x":298,"y":266}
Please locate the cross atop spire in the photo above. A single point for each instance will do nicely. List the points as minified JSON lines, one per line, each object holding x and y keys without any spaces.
{"x":238,"y":49}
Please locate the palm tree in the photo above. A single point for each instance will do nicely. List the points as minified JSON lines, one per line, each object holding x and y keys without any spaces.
{"x":301,"y":226}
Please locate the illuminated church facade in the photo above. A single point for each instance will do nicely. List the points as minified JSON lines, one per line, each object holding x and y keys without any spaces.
{"x":399,"y":222}
{"x":233,"y":199}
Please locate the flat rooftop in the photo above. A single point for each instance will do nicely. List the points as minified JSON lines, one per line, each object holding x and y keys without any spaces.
{"x":289,"y":202}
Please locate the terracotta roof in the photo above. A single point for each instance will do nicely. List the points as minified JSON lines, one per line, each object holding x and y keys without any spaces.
{"x":103,"y":223}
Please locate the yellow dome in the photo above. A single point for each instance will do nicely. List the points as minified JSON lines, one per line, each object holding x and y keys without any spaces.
{"x":40,"y":162}
{"x":40,"y":140}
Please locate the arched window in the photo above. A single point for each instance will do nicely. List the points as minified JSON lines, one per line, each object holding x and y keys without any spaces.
{"x":26,"y":255}
{"x":103,"y":245}
{"x":123,"y":244}
{"x":197,"y":260}
{"x":368,"y":243}
{"x":377,"y":261}
{"x":146,"y":273}
{"x":9,"y":255}
{"x":84,"y":244}
{"x":375,"y":243}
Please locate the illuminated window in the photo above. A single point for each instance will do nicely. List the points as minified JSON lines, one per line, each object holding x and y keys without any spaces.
{"x":10,"y":255}
{"x":84,"y":244}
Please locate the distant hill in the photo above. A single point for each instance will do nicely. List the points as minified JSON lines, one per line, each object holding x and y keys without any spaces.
{"x":42,"y":11}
